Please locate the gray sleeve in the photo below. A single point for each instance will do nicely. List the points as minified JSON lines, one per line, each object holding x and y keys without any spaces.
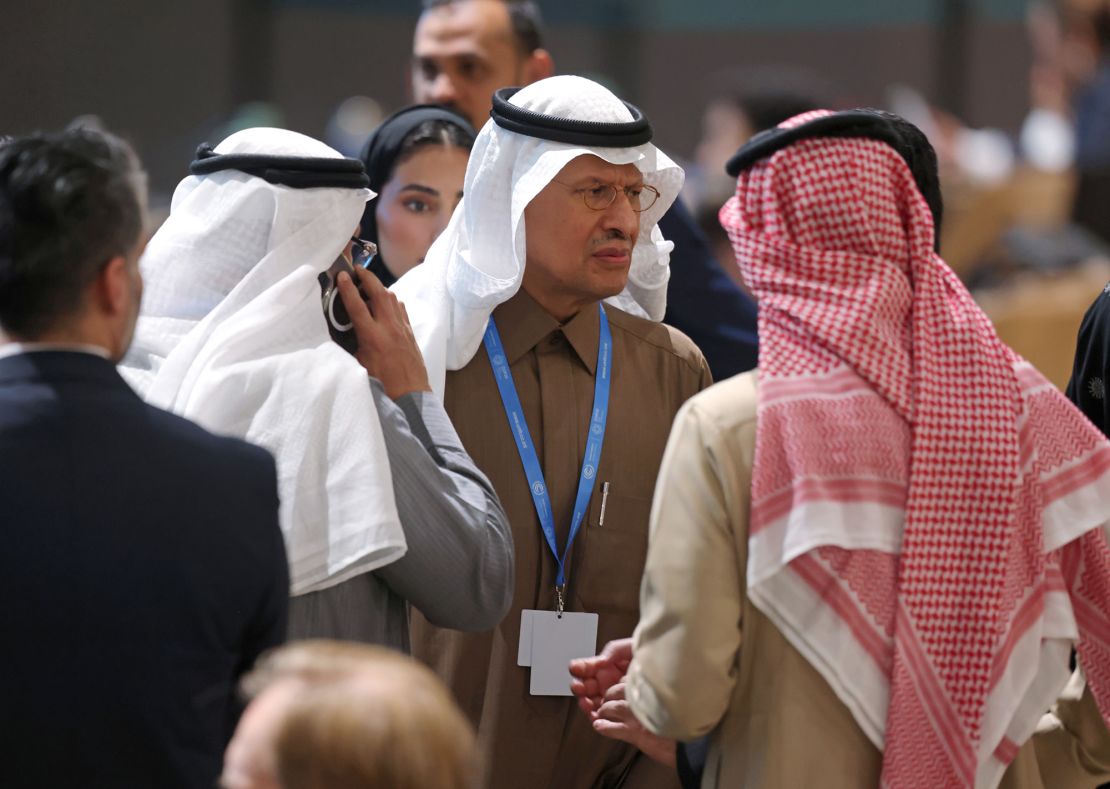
{"x":458,"y":569}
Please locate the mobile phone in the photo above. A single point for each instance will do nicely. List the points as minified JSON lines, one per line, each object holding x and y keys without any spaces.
{"x":338,"y":320}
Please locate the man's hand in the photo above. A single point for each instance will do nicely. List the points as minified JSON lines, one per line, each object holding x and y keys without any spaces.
{"x":599,"y":685}
{"x":594,"y":676}
{"x":615,"y":719}
{"x":387,"y":348}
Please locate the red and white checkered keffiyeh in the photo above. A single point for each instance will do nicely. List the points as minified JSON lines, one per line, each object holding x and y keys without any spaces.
{"x":928,"y":513}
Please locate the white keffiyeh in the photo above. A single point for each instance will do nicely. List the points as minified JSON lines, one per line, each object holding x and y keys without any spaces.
{"x":232,"y":336}
{"x":478,"y":261}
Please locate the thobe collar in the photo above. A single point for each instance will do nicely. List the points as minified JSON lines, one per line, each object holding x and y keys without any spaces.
{"x":523,"y":324}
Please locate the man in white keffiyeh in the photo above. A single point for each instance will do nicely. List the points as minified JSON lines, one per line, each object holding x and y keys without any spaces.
{"x":562,"y":196}
{"x":478,"y":262}
{"x":233,"y":335}
{"x":464,"y":50}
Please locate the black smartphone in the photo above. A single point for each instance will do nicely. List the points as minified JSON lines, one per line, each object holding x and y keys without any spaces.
{"x":339,"y":322}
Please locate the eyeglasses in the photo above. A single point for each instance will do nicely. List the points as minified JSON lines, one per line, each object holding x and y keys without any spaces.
{"x":362,"y":251}
{"x":600,"y":196}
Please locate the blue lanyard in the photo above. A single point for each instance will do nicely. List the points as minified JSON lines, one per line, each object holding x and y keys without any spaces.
{"x":527,"y":449}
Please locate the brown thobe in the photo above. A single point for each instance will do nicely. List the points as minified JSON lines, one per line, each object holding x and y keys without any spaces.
{"x":545,"y":742}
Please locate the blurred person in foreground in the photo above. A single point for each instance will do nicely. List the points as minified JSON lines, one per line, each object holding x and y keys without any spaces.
{"x":328,"y":714}
{"x":871,"y":559}
{"x":143,"y":568}
{"x":537,"y":310}
{"x":253,"y":326}
{"x":463,"y":50}
{"x":416,"y":162}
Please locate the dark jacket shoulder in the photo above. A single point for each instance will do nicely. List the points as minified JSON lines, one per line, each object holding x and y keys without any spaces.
{"x":221,"y":453}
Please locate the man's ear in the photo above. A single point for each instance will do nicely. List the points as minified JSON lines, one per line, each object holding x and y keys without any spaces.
{"x":112,"y":287}
{"x":539,"y":65}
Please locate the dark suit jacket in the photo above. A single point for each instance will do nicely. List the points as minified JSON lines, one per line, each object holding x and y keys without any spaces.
{"x":142,"y":570}
{"x":704,"y":303}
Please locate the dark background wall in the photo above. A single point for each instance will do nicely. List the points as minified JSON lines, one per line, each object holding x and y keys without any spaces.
{"x":168,"y":74}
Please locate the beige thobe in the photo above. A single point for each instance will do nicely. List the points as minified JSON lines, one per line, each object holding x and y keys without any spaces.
{"x":545,"y":742}
{"x":775,"y":722}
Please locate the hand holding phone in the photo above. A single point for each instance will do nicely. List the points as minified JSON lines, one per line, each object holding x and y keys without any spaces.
{"x":335,"y":311}
{"x":385,"y":344}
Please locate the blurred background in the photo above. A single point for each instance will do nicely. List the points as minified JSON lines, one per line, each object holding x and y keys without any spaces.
{"x":1015,"y":95}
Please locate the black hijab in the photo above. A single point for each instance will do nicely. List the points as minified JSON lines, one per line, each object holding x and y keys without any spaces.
{"x":380,"y":154}
{"x":1087,"y":387}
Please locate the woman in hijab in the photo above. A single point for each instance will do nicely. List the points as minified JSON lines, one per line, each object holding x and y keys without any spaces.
{"x":416,"y":161}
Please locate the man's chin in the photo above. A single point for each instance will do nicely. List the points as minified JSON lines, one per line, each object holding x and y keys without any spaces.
{"x":610,"y":289}
{"x":614,"y":279}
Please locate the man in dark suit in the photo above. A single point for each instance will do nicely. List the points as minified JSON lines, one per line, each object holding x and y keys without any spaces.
{"x":142,"y":568}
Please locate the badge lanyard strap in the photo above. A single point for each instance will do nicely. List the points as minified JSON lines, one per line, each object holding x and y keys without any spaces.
{"x":527,"y":450}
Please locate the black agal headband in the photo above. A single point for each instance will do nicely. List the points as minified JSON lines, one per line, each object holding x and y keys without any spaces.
{"x":854,"y":123}
{"x":298,"y":172}
{"x":909,"y":142}
{"x":591,"y":134}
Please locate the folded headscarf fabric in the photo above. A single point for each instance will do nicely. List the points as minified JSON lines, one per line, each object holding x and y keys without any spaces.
{"x":232,"y":335}
{"x":380,"y":155}
{"x":928,"y":513}
{"x":478,"y":261}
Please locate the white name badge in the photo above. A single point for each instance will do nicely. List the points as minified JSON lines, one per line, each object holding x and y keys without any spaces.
{"x":549,"y":642}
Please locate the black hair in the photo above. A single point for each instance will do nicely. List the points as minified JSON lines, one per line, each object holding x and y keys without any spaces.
{"x":767,"y":109}
{"x":1094,"y":21}
{"x":524,"y":17}
{"x":433,"y":132}
{"x":1100,"y":23}
{"x":69,"y":202}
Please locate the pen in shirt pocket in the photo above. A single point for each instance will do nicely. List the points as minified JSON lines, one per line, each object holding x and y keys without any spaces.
{"x":604,"y":499}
